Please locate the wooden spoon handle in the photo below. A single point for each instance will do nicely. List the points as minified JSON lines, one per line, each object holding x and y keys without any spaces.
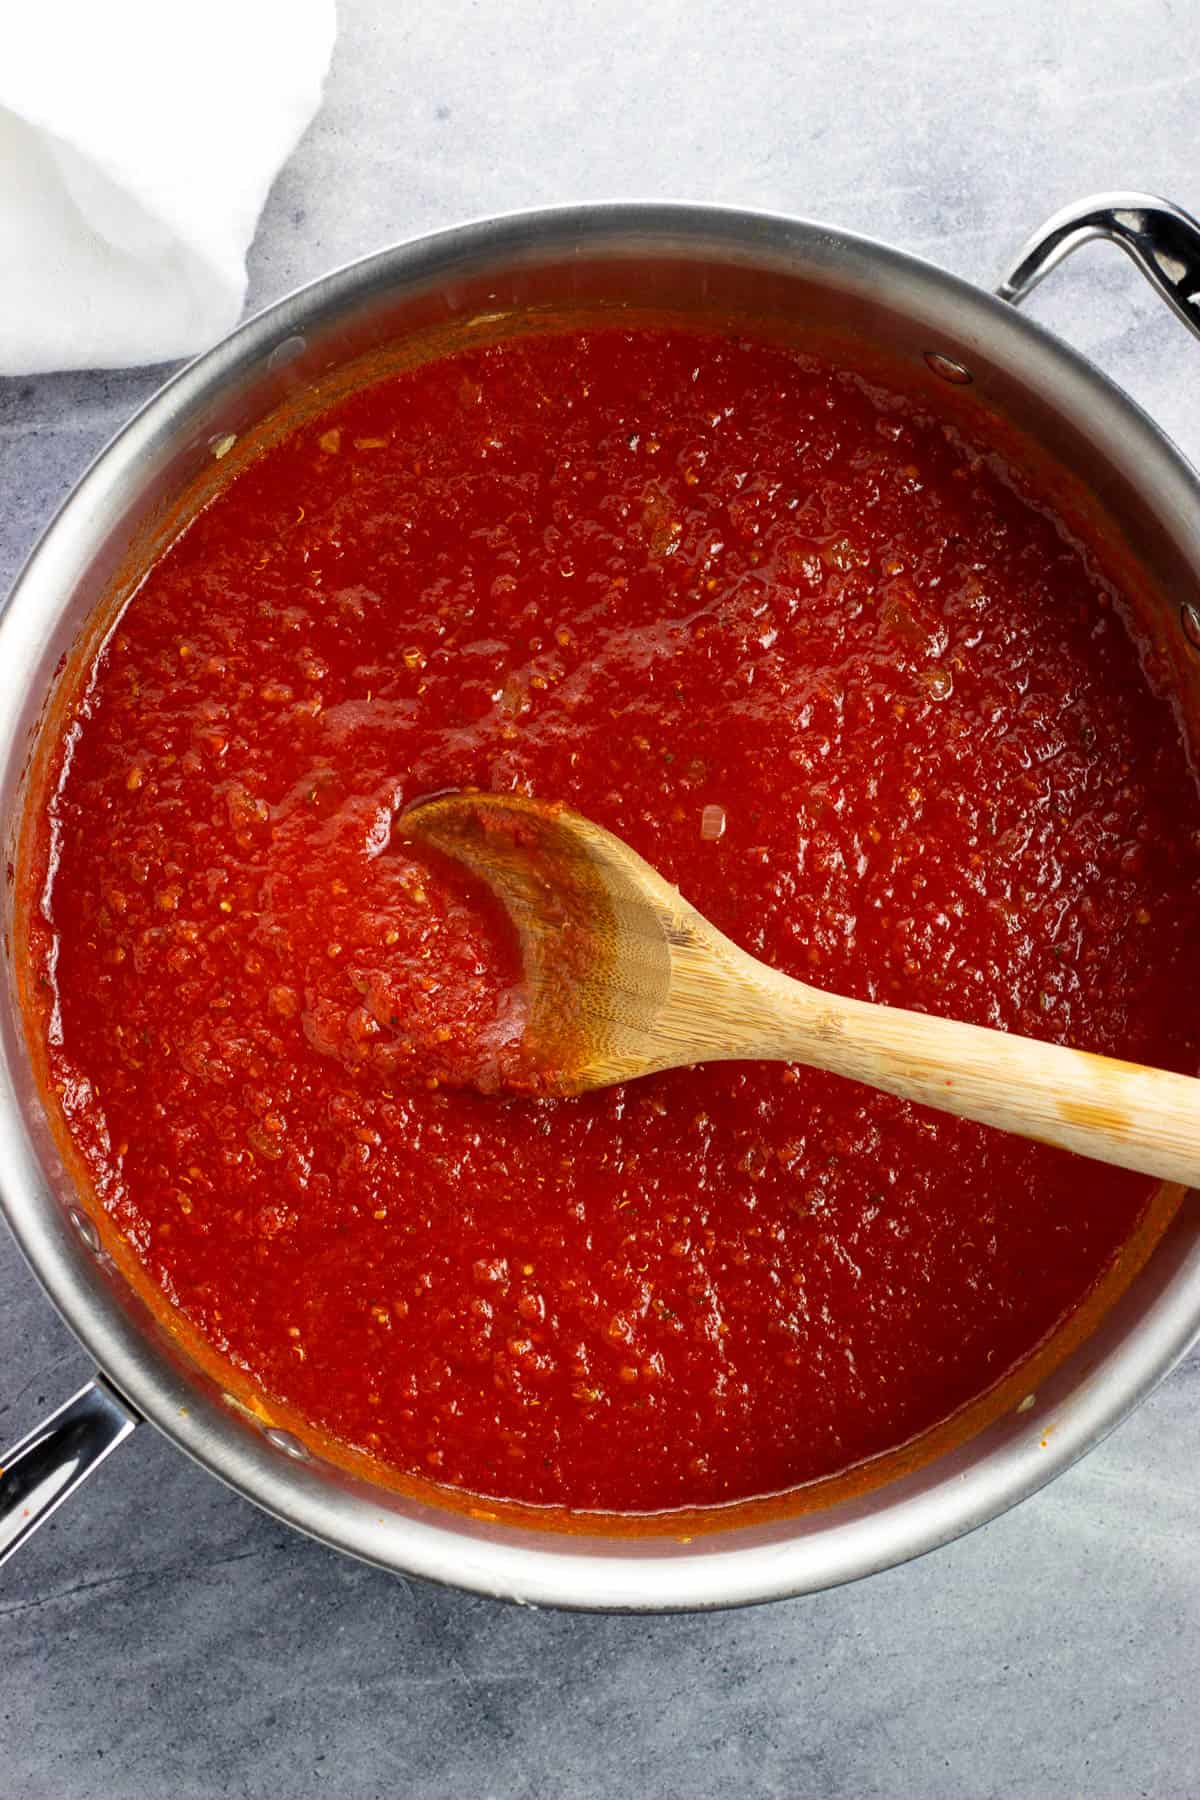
{"x":1118,"y":1112}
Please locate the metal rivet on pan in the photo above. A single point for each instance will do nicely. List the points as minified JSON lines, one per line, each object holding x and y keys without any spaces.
{"x":1189,"y":618}
{"x":85,"y":1228}
{"x":946,"y":369}
{"x":285,"y":352}
{"x":291,"y":1446}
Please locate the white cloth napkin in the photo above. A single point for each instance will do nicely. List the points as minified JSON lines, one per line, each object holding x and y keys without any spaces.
{"x":138,"y":139}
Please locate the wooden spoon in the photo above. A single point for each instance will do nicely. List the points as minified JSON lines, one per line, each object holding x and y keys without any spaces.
{"x":623,"y":977}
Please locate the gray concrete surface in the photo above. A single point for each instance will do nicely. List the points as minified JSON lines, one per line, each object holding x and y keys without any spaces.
{"x":161,"y":1638}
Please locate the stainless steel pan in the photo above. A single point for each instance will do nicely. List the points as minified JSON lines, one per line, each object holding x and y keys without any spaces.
{"x":672,"y":257}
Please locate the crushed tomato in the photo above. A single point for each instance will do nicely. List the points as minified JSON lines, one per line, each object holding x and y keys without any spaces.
{"x":819,"y":659}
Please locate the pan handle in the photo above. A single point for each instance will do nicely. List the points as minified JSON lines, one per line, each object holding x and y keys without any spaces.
{"x":1162,"y":239}
{"x":44,"y":1468}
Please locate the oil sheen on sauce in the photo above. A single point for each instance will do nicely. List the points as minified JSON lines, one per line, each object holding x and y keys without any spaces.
{"x":813,"y":655}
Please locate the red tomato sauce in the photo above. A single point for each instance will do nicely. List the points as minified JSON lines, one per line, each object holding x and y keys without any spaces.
{"x":826,"y":665}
